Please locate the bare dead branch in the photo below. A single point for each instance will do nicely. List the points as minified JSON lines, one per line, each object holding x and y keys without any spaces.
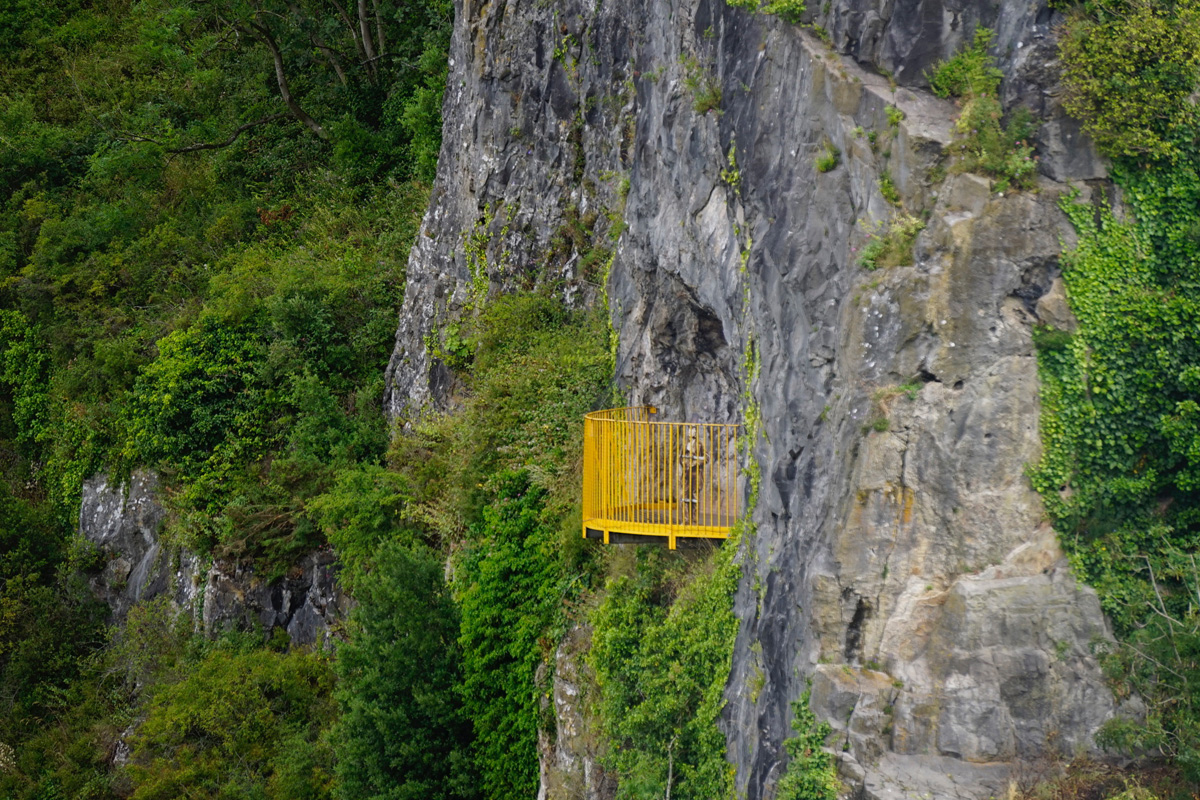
{"x":233,"y":137}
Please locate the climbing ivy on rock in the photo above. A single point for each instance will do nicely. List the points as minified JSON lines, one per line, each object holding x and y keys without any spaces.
{"x":1120,"y":474}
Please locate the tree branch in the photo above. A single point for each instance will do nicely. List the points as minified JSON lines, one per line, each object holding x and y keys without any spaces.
{"x":365,"y":29}
{"x":233,"y":137}
{"x":379,"y":28}
{"x":331,"y":56}
{"x":353,"y":29}
{"x":264,"y":35}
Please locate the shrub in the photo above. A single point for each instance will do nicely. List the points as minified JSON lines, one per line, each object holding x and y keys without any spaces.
{"x":810,"y":773}
{"x":891,"y":245}
{"x":1130,"y":72}
{"x":984,"y":143}
{"x":829,"y":158}
{"x":705,"y":89}
{"x":242,"y":721}
{"x":887,"y":188}
{"x":790,"y":11}
{"x":510,"y":594}
{"x":970,"y":72}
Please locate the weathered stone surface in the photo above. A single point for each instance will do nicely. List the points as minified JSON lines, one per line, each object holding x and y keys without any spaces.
{"x":307,"y":602}
{"x":914,"y":558}
{"x":124,"y":521}
{"x":570,"y":762}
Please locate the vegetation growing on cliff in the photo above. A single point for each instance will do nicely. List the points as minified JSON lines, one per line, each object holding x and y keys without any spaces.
{"x":1120,"y":423}
{"x":662,"y":646}
{"x":984,"y":141}
{"x":811,"y":774}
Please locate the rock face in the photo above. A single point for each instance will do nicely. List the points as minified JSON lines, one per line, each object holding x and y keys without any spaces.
{"x":901,"y":559}
{"x":570,"y":760}
{"x":124,"y":522}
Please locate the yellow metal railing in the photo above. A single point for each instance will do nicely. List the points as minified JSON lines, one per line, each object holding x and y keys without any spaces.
{"x":664,"y":479}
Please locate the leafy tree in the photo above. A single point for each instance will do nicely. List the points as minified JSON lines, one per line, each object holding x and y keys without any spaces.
{"x":244,"y":722}
{"x":662,"y":649}
{"x":402,"y":733}
{"x":509,"y":600}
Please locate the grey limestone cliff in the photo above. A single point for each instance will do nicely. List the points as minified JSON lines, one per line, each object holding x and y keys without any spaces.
{"x":901,"y":560}
{"x":124,"y":521}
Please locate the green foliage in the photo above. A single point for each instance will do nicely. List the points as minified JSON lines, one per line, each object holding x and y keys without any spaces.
{"x":48,"y":621}
{"x":1130,"y":70}
{"x":243,"y":722}
{"x":983,"y":142}
{"x":791,"y":11}
{"x":811,"y":774}
{"x":402,"y":733}
{"x":887,"y":188}
{"x":268,"y":263}
{"x":509,"y":603}
{"x":891,"y":245}
{"x":970,"y":72}
{"x":828,"y":159}
{"x":894,"y":116}
{"x":1119,"y":468}
{"x":500,"y":480}
{"x":197,"y":279}
{"x":662,"y":645}
{"x":788,"y":10}
{"x":702,"y":84}
{"x":538,"y":368}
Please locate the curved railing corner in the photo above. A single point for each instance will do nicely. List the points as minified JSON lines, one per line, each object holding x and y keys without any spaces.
{"x":645,"y":478}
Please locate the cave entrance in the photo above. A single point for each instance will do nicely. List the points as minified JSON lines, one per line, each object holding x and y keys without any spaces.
{"x":651,"y":481}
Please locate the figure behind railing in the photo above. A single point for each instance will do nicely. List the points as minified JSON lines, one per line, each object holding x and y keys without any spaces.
{"x":692,"y":461}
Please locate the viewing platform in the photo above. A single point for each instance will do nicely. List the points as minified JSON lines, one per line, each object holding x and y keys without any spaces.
{"x":645,"y":480}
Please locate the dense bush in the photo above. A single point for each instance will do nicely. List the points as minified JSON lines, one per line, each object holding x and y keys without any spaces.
{"x":511,"y":591}
{"x":1131,"y":69}
{"x":662,"y":646}
{"x":242,"y":722}
{"x":199,"y":277}
{"x":402,"y":732}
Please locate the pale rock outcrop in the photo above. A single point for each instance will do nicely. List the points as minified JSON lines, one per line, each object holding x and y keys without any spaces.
{"x":124,"y":521}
